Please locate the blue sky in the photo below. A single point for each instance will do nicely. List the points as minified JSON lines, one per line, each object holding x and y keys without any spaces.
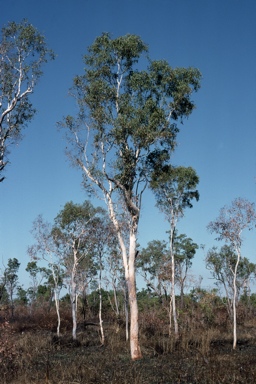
{"x":218,"y":140}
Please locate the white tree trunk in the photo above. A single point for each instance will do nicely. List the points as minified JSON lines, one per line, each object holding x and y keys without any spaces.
{"x":174,"y":311}
{"x":73,"y":303}
{"x":235,"y":299}
{"x":126,"y":310}
{"x":130,"y":277}
{"x":57,"y":306}
{"x":56,"y":297}
{"x":173,"y":299}
{"x":134,"y":315}
{"x":100,"y":309}
{"x":115,"y":301}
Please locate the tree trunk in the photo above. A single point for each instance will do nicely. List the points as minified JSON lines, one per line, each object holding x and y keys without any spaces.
{"x":130,"y":278}
{"x":100,"y":307}
{"x":182,"y":294}
{"x":170,"y":316}
{"x":57,"y":306}
{"x":134,"y":321}
{"x":134,"y":315}
{"x":73,"y":304}
{"x":126,"y":311}
{"x":173,"y":300}
{"x":174,"y":312}
{"x":234,"y":300}
{"x":116,"y":300}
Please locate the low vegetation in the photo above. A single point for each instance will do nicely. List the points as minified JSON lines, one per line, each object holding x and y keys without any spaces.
{"x":31,"y":352}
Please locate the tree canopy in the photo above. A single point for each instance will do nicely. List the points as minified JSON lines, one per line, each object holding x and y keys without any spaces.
{"x":23,"y":51}
{"x":131,"y":113}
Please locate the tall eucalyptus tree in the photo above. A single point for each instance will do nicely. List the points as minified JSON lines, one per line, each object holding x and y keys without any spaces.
{"x":129,"y":107}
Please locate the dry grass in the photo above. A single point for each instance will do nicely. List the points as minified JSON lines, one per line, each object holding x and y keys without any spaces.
{"x":32,"y":354}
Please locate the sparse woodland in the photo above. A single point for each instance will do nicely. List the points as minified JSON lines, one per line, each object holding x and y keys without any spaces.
{"x":83,"y":318}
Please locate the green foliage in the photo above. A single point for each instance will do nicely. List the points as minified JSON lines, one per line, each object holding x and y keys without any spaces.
{"x":185,"y":249}
{"x":11,"y":270}
{"x":33,"y":269}
{"x":94,"y":299}
{"x":21,"y":297}
{"x":44,"y":292}
{"x":127,"y":117}
{"x":73,"y":214}
{"x":75,"y":230}
{"x":154,"y":265}
{"x":147,"y":300}
{"x":65,"y":298}
{"x":4,"y":297}
{"x":232,"y":220}
{"x":132,"y":113}
{"x":37,"y":275}
{"x":22,"y":52}
{"x":222,"y":264}
{"x":249,"y":299}
{"x":174,"y":188}
{"x":11,"y":275}
{"x":152,"y":258}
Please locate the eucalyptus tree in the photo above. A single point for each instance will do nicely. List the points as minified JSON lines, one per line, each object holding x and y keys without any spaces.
{"x":4,"y":297}
{"x":45,"y":248}
{"x":11,"y":278}
{"x":74,"y":235}
{"x":129,"y":107}
{"x":37,"y":275}
{"x":174,"y":189}
{"x":67,"y":245}
{"x":103,"y":242}
{"x":154,"y":266}
{"x":23,"y":51}
{"x":185,"y":250}
{"x":222,"y":264}
{"x":229,"y":226}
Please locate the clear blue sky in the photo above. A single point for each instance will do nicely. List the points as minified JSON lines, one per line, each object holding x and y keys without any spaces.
{"x":218,"y":140}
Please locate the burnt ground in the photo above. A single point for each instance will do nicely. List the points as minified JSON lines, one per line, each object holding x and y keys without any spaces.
{"x":42,"y":358}
{"x":31,"y":353}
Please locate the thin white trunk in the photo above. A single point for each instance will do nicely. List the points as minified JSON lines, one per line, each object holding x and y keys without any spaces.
{"x":170,"y":316}
{"x":73,"y":300}
{"x":173,"y":299}
{"x":134,"y":315}
{"x":74,"y":320}
{"x":100,"y":309}
{"x":116,"y":301}
{"x":234,"y":301}
{"x":129,"y":268}
{"x":57,"y":306}
{"x":126,"y":310}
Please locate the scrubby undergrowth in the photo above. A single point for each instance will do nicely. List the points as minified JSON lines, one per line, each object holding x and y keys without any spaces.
{"x":30,"y":351}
